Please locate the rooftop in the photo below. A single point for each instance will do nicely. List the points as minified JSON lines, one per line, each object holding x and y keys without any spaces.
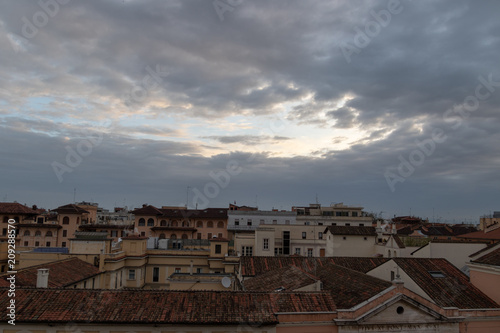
{"x":16,"y":208}
{"x":160,"y":307}
{"x":492,"y":258}
{"x":352,"y":231}
{"x":62,"y":273}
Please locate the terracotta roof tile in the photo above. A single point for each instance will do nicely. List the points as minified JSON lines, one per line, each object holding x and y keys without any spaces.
{"x":252,"y":266}
{"x":493,"y":235}
{"x":15,"y":208}
{"x":453,"y":289}
{"x":160,"y":307}
{"x":351,"y":230}
{"x":492,"y":258}
{"x":62,"y":273}
{"x":289,"y":278}
{"x":70,"y":209}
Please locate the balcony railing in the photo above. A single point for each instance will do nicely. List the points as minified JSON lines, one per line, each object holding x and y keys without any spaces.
{"x":242,"y":227}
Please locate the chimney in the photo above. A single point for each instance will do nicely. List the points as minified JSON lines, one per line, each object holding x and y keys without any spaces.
{"x":42,"y":278}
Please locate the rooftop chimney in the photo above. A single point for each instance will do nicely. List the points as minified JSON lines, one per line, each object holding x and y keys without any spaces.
{"x":42,"y":278}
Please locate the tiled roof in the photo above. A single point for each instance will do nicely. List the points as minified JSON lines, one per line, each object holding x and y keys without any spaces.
{"x":70,"y":209}
{"x":451,"y":290}
{"x":436,"y":231}
{"x":15,"y":208}
{"x":493,"y":235}
{"x":289,"y":278}
{"x":160,"y":307}
{"x":147,"y":210}
{"x":399,"y":242}
{"x":351,"y":230}
{"x":62,"y":273}
{"x":487,"y":248}
{"x":215,"y":213}
{"x":349,"y":287}
{"x":492,"y":258}
{"x":252,"y":266}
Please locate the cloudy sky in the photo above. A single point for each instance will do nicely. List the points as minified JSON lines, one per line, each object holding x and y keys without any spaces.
{"x":393,"y":106}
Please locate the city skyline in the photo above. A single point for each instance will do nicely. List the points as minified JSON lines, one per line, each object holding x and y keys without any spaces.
{"x":391,"y":105}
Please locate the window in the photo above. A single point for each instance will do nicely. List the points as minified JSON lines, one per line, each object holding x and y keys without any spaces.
{"x":37,"y":243}
{"x":278,"y":251}
{"x":304,"y":235}
{"x":39,"y":220}
{"x":437,"y":274}
{"x":309,"y":252}
{"x":25,"y":243}
{"x":287,"y":221}
{"x":63,"y":244}
{"x":209,"y":235}
{"x":392,"y":275}
{"x":114,"y":233}
{"x":48,"y":234}
{"x":210,"y":224}
{"x":65,"y":233}
{"x":198,"y":235}
{"x":142,"y":222}
{"x":286,"y":242}
{"x":247,"y":251}
{"x":334,"y":223}
{"x":347,"y":224}
{"x":320,"y":235}
{"x":163,"y":223}
{"x":219,"y":235}
{"x":143,"y":234}
{"x":361,"y":224}
{"x":236,"y":222}
{"x":354,"y":214}
{"x":27,"y":233}
{"x":199,"y":270}
{"x":173,"y":236}
{"x":38,"y":233}
{"x":297,"y":250}
{"x":265,"y":244}
{"x":275,"y":221}
{"x":218,"y":249}
{"x":177,"y":270}
{"x":199,"y":224}
{"x":151,"y":222}
{"x":131,"y":274}
{"x":249,"y":222}
{"x":220,"y":224}
{"x":47,"y":244}
{"x":65,"y":220}
{"x":156,"y":274}
{"x":184,"y":236}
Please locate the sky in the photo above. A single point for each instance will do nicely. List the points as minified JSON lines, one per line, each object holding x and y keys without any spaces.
{"x":389,"y":105}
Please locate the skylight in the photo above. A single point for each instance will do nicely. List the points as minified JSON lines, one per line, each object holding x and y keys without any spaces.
{"x":437,"y":274}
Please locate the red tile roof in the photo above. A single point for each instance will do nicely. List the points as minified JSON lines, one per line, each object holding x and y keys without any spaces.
{"x":492,"y":235}
{"x":492,"y":258}
{"x":160,"y":307}
{"x":452,"y":290}
{"x":215,"y":213}
{"x":252,"y":266}
{"x":62,"y":273}
{"x":70,"y":209}
{"x":289,"y":278}
{"x":351,"y":230}
{"x":16,"y":208}
{"x":349,"y":287}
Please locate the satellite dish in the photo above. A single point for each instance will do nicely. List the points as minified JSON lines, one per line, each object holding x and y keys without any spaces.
{"x":226,"y":282}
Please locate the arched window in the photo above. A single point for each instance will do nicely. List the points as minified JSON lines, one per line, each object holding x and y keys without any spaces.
{"x":27,"y":233}
{"x":65,"y":220}
{"x":199,"y":224}
{"x":5,"y":219}
{"x":174,"y":224}
{"x":395,"y":254}
{"x":220,"y":224}
{"x":184,"y":236}
{"x":48,"y":234}
{"x":17,"y":219}
{"x":163,"y":223}
{"x":38,"y":233}
{"x":151,"y":222}
{"x":173,"y":236}
{"x":142,"y":222}
{"x":210,"y":224}
{"x":389,"y":253}
{"x":162,"y":236}
{"x":185,"y":224}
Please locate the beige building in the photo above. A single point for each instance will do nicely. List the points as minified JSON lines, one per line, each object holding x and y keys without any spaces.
{"x":350,"y":241}
{"x":484,"y":269}
{"x":336,"y":214}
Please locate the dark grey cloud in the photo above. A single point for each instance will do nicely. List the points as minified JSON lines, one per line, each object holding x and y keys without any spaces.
{"x":403,"y":85}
